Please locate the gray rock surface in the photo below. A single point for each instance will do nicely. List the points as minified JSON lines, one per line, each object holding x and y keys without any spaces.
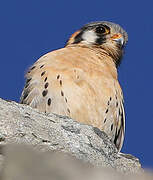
{"x":20,"y":124}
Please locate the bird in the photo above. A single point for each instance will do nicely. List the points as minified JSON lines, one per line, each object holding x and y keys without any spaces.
{"x":80,"y":80}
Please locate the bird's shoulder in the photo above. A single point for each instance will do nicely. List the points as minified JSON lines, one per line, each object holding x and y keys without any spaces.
{"x":69,"y":58}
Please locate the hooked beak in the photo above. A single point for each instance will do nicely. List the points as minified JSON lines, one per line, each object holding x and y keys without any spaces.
{"x":118,"y":38}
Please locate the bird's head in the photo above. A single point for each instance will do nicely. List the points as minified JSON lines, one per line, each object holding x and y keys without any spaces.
{"x":108,"y":36}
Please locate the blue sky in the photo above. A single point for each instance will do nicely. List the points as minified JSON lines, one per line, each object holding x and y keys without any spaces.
{"x":31,"y":28}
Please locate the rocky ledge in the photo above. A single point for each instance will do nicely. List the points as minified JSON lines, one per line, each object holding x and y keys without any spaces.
{"x":45,"y":133}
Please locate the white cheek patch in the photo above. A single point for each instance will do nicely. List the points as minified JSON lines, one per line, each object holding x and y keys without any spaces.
{"x":89,"y":37}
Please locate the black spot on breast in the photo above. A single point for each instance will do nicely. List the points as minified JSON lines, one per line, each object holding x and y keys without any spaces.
{"x":33,"y":68}
{"x":66,"y":100}
{"x":43,"y":73}
{"x":45,"y":79}
{"x":111,"y":127}
{"x":122,"y":117}
{"x":25,"y":94}
{"x":46,"y":85}
{"x":108,"y":103}
{"x":106,"y":111}
{"x":110,"y":98}
{"x":105,"y":120}
{"x":62,"y":93}
{"x":49,"y":101}
{"x":28,"y":80}
{"x":61,"y":82}
{"x":116,"y":104}
{"x":41,"y":66}
{"x":116,"y":136}
{"x":58,"y":76}
{"x":119,"y":111}
{"x":68,"y":110}
{"x":26,"y":85}
{"x":44,"y":93}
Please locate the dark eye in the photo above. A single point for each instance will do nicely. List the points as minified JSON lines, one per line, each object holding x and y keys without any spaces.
{"x":100,"y":30}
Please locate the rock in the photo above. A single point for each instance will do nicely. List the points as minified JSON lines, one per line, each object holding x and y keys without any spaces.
{"x":20,"y":124}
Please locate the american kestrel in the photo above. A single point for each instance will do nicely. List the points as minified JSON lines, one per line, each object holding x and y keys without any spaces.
{"x":80,"y":80}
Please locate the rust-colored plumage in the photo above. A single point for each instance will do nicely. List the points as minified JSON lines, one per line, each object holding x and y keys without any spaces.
{"x":80,"y":80}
